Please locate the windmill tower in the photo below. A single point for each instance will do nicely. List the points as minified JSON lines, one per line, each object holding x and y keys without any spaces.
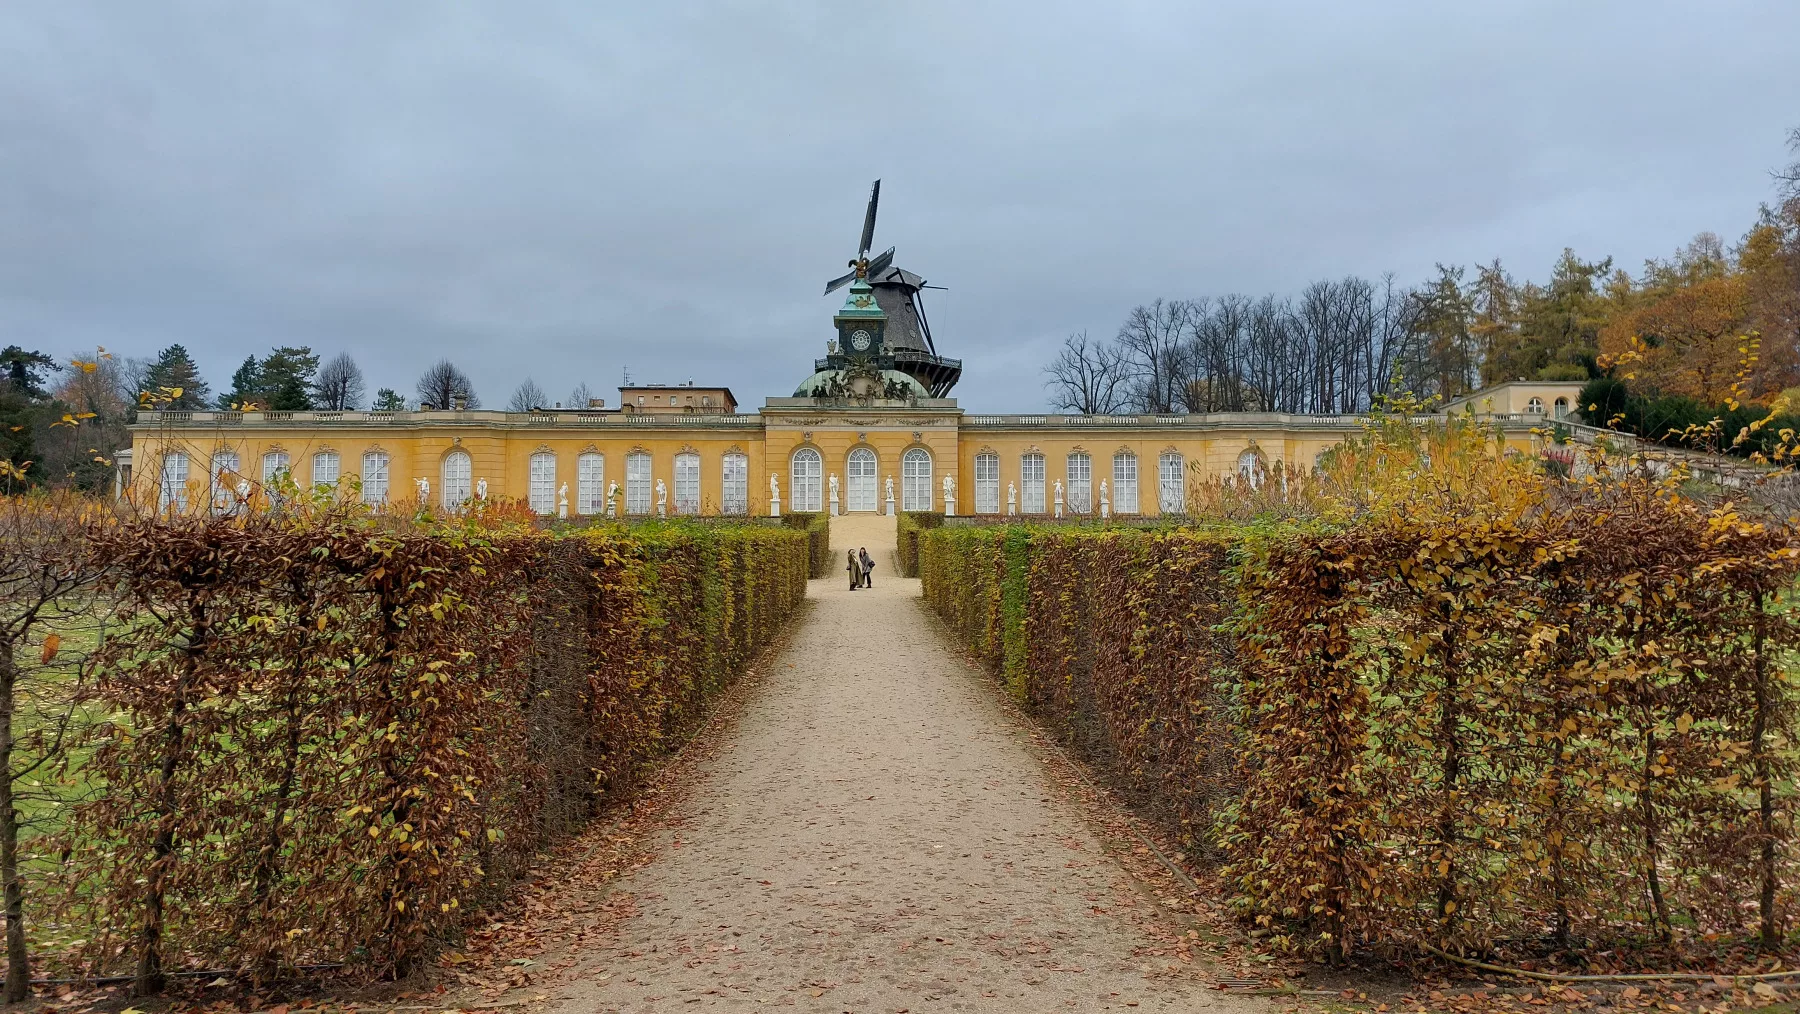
{"x":898,"y":292}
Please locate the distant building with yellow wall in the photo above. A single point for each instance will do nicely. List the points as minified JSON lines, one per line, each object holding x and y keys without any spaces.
{"x":871,"y":429}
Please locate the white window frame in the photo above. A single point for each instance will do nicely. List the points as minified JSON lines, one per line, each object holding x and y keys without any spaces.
{"x":1171,"y":489}
{"x":858,"y":495}
{"x":915,"y":480}
{"x":273,"y":464}
{"x":1535,"y":405}
{"x":806,"y":471}
{"x":171,"y":489}
{"x":590,"y":483}
{"x":455,"y":479}
{"x":1561,"y":406}
{"x":987,"y":483}
{"x":224,"y":497}
{"x":640,"y":472}
{"x":734,"y":478}
{"x":374,"y":477}
{"x":1031,"y":483}
{"x":330,"y":465}
{"x":1248,"y":468}
{"x":542,"y":491}
{"x":687,"y":483}
{"x":1079,"y":494}
{"x":1125,"y":483}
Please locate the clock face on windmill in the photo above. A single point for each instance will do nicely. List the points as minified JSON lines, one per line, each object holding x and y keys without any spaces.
{"x":860,"y":340}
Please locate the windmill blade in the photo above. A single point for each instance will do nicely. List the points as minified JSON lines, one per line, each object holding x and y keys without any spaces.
{"x":868,"y":233}
{"x":880,"y":264}
{"x":838,"y":283}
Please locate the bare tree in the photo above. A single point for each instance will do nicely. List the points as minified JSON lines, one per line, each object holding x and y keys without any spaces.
{"x":339,"y":384}
{"x":1789,"y":175}
{"x":1152,"y":342}
{"x":529,"y":396}
{"x":580,"y":397}
{"x":443,"y":386}
{"x":1088,"y":377}
{"x":44,"y":584}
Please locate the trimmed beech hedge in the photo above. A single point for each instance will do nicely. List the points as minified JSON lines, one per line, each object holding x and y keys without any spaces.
{"x":1568,"y":726}
{"x":907,"y":529}
{"x":328,"y":738}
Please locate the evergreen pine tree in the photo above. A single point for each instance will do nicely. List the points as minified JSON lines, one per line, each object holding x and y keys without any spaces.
{"x":246,"y":387}
{"x":175,"y":369}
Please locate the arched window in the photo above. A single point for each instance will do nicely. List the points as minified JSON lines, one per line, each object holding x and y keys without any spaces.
{"x":1535,"y":405}
{"x":172,"y":489}
{"x":543,"y":483}
{"x":1031,"y":479}
{"x":687,"y":483}
{"x":224,"y":478}
{"x":1250,"y":468}
{"x":803,"y":489}
{"x":275,"y":467}
{"x":637,"y":482}
{"x":454,"y":491}
{"x":1080,"y":494}
{"x":735,"y":475}
{"x":1562,"y":407}
{"x":860,"y":471}
{"x":915,"y":480}
{"x":1171,"y":483}
{"x":590,"y":483}
{"x":325,"y":468}
{"x":987,"y":483}
{"x":1125,"y":484}
{"x":375,"y":477}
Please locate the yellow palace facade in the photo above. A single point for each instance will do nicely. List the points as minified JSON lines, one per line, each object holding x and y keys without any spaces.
{"x":872,"y":429}
{"x":796,"y":454}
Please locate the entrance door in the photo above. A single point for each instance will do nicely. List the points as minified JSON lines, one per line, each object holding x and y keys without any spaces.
{"x":863,"y":495}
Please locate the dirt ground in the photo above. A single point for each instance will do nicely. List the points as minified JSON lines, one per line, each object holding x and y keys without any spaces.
{"x":872,"y":833}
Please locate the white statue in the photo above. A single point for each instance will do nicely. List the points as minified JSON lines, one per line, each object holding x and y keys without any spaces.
{"x":562,"y":501}
{"x":774,"y":487}
{"x":424,"y":487}
{"x":481,"y":489}
{"x":949,"y":488}
{"x":561,"y":494}
{"x":243,"y":489}
{"x":834,"y":486}
{"x":1058,"y":485}
{"x":890,"y":487}
{"x":662,"y":499}
{"x":1105,"y":502}
{"x":612,"y":499}
{"x":1012,"y":499}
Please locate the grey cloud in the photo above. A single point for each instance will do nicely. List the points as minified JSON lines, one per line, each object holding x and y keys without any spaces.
{"x":566,"y":189}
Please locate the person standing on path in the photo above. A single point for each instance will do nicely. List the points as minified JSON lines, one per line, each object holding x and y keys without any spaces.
{"x":868,"y":567}
{"x":854,"y":567}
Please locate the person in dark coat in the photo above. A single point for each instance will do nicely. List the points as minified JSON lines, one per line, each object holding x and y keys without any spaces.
{"x":854,"y":566}
{"x":868,"y":568}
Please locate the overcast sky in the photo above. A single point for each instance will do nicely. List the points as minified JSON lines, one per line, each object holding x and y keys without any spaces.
{"x":565,"y":190}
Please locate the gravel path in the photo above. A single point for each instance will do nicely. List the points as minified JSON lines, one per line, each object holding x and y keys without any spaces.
{"x":874,"y":835}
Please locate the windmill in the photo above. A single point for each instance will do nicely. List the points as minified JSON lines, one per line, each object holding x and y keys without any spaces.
{"x":860,"y":265}
{"x":897,"y":290}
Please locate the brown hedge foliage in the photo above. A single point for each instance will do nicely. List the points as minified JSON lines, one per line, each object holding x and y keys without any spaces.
{"x":907,"y":529}
{"x":1562,"y":722}
{"x":817,"y":526}
{"x":324,"y":740}
{"x":1108,"y":636}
